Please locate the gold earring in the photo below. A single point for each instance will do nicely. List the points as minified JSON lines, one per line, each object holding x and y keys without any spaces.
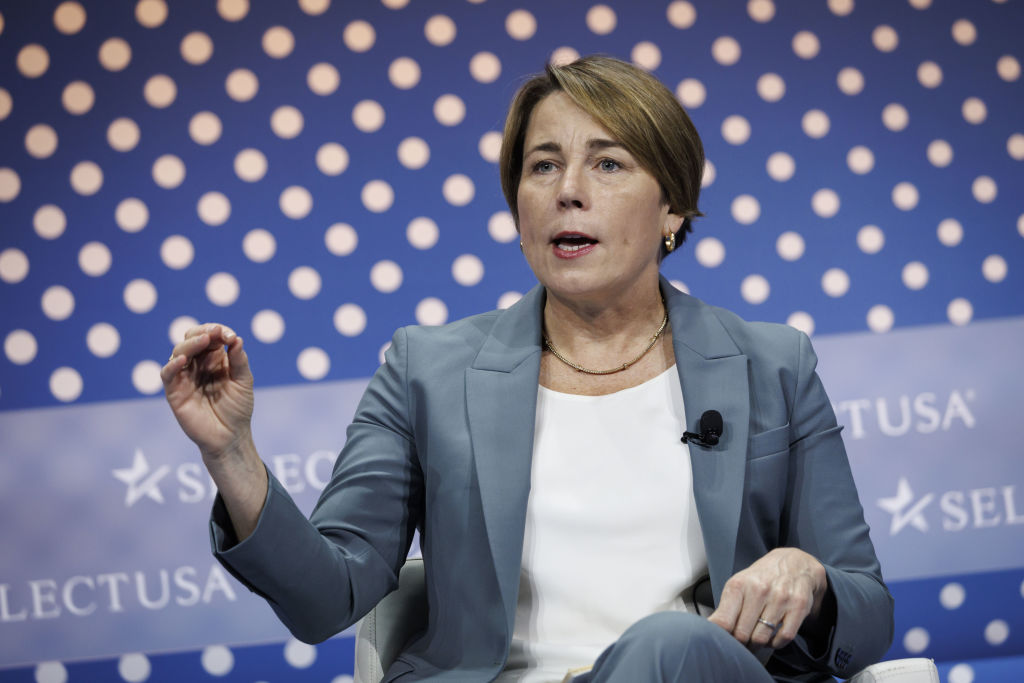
{"x":521,"y":246}
{"x":670,"y":242}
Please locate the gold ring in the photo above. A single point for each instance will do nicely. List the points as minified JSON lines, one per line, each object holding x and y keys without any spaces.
{"x":773,"y":627}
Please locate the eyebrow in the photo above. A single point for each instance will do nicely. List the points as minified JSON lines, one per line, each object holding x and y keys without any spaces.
{"x":593,"y":145}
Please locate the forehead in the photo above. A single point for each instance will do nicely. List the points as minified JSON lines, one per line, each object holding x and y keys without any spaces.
{"x":557,"y":116}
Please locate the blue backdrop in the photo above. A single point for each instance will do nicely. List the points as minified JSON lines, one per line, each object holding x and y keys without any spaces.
{"x":316,"y":174}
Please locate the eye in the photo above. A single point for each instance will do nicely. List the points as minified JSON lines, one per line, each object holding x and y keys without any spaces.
{"x":609,"y":165}
{"x":543,"y":167}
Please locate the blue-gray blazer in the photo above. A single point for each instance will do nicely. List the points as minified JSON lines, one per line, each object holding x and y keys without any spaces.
{"x":442,"y":442}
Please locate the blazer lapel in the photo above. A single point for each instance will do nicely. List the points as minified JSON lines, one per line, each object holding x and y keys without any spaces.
{"x":713,"y":374}
{"x":501,"y":399}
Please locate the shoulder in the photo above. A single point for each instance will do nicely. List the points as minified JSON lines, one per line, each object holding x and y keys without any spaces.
{"x":755,"y":338}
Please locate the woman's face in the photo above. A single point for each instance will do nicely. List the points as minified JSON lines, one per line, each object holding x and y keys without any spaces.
{"x":592,"y":219}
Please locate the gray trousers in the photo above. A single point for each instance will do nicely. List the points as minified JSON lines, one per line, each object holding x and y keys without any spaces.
{"x":676,"y":647}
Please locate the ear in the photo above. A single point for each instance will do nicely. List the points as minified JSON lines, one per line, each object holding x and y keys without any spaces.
{"x":671,"y":224}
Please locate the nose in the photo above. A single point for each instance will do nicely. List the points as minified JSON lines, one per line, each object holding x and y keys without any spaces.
{"x":572,"y":189}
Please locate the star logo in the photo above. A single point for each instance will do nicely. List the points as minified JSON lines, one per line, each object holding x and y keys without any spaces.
{"x":140,"y":480}
{"x":901,"y":517}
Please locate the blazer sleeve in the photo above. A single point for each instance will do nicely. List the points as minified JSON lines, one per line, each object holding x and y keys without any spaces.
{"x":323,"y":574}
{"x":824,"y":517}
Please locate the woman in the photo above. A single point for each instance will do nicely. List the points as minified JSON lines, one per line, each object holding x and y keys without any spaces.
{"x":537,"y":449}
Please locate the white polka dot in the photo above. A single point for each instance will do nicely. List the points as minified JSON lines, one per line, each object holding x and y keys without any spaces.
{"x":761,"y":11}
{"x":41,"y":141}
{"x":994,"y":268}
{"x":78,"y":97}
{"x":502,"y":228}
{"x":146,"y":377}
{"x":458,"y":189}
{"x":160,"y":91}
{"x":350,"y":320}
{"x":404,"y":73}
{"x":950,"y":232}
{"x":304,"y":282}
{"x":10,"y":184}
{"x":870,"y":239}
{"x":439,"y":30}
{"x":123,"y":134}
{"x":115,"y":54}
{"x":368,"y":116}
{"x":915,"y":275}
{"x":691,"y":93}
{"x":710,"y":252}
{"x":815,"y":123}
{"x":916,"y":640}
{"x":316,"y":7}
{"x":57,"y":302}
{"x":709,"y":174}
{"x":241,"y":85}
{"x":840,"y":8}
{"x":1008,"y":68}
{"x":825,"y":203}
{"x":860,"y":159}
{"x":151,"y":13}
{"x":323,"y":78}
{"x":835,"y":282}
{"x":422,"y":232}
{"x":69,"y":18}
{"x":974,"y":110}
{"x":520,"y":24}
{"x":267,"y":326}
{"x":177,"y":252}
{"x":313,"y":363}
{"x":296,"y":202}
{"x":806,"y":45}
{"x":341,"y":239}
{"x":377,"y":196}
{"x":801,"y":320}
{"x":771,"y":87}
{"x":929,"y":74}
{"x":232,"y":10}
{"x":86,"y":178}
{"x":755,"y":289}
{"x":681,"y":14}
{"x":735,"y":129}
{"x":940,"y":153}
{"x":140,"y":296}
{"x":467,"y":270}
{"x":885,"y":38}
{"x":179,"y":326}
{"x":431,"y":311}
{"x":20,"y":347}
{"x":961,"y":673}
{"x":490,"y":146}
{"x":278,"y":42}
{"x":880,"y":319}
{"x":66,"y":386}
{"x":6,"y":104}
{"x":134,"y":668}
{"x":895,"y":116}
{"x":485,"y":67}
{"x":920,"y":4}
{"x":298,"y":654}
{"x":332,"y":159}
{"x":250,"y":165}
{"x":196,"y":48}
{"x":213,"y":208}
{"x":359,"y":36}
{"x":601,"y":19}
{"x":960,"y":311}
{"x":952,"y":595}
{"x":205,"y":128}
{"x":850,"y":81}
{"x":964,"y":32}
{"x":1015,"y":146}
{"x":51,"y":672}
{"x":413,"y":152}
{"x":1020,"y":225}
{"x":168,"y":171}
{"x":49,"y":221}
{"x":94,"y":259}
{"x":286,"y":122}
{"x":726,"y":50}
{"x":905,"y":196}
{"x":103,"y":340}
{"x":996,"y":632}
{"x":563,"y":55}
{"x":33,"y":60}
{"x":745,"y":209}
{"x":449,"y":110}
{"x":508,"y":299}
{"x":646,"y":55}
{"x":790,"y":245}
{"x":222,"y":289}
{"x":984,"y":189}
{"x":386,"y":276}
{"x":217,"y":660}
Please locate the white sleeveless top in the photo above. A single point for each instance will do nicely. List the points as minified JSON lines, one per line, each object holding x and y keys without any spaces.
{"x":611,"y":525}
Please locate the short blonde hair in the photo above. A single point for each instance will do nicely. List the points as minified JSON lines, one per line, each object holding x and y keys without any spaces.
{"x":635,"y":107}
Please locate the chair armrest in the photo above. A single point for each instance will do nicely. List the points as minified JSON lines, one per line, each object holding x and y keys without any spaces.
{"x":382,"y":633}
{"x":911,"y":670}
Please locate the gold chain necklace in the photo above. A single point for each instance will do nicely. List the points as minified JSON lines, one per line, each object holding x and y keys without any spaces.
{"x":580,"y":368}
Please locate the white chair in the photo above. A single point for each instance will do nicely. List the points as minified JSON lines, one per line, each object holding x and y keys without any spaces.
{"x":382,"y":633}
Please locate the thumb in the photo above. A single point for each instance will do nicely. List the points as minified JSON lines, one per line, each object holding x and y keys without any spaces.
{"x":238,"y":361}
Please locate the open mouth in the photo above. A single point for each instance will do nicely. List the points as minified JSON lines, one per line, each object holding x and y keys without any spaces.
{"x":571,"y":242}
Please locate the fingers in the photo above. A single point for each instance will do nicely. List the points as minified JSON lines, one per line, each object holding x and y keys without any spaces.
{"x":196,"y":345}
{"x":238,"y":360}
{"x":217,"y":332}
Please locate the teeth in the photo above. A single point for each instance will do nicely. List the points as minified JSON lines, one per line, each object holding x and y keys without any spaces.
{"x":570,"y":247}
